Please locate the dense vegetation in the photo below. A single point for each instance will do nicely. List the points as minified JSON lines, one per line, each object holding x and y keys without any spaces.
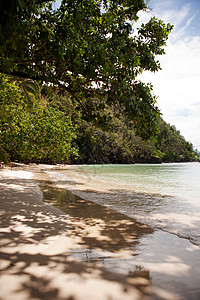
{"x":49,"y":128}
{"x":70,"y":81}
{"x":90,"y":49}
{"x":122,"y":145}
{"x":30,"y":129}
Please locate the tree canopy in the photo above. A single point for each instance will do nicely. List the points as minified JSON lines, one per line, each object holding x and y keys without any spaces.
{"x":30,"y":129}
{"x":122,"y":146}
{"x":89,"y":49}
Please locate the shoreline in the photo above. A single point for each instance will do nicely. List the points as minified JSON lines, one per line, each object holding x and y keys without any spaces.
{"x":176,"y":220}
{"x":76,"y":247}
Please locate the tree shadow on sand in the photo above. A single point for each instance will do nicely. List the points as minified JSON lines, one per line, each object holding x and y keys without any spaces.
{"x":77,"y":249}
{"x":49,"y":254}
{"x":112,"y":231}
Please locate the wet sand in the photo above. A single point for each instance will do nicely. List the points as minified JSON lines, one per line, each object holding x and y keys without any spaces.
{"x":56,"y":245}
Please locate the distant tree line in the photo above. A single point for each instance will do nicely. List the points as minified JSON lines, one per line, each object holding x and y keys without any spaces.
{"x":120,"y":144}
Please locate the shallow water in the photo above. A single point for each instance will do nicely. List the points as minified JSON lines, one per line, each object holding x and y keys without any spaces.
{"x":160,"y":265}
{"x":181,"y":179}
{"x":166,"y":196}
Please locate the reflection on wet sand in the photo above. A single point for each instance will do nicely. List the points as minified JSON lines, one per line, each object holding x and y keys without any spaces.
{"x":159,"y":210}
{"x":158,"y":264}
{"x":81,"y":250}
{"x":45,"y":253}
{"x":97,"y":226}
{"x":107,"y":239}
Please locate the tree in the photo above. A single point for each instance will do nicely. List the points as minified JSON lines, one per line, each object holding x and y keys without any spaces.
{"x":31,"y":130}
{"x":87,"y":49}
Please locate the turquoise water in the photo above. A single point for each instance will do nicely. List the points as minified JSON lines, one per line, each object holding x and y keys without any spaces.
{"x":175,"y":179}
{"x":166,"y":196}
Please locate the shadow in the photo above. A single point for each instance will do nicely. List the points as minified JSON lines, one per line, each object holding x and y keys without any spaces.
{"x":168,"y":213}
{"x":112,"y":231}
{"x":53,"y":252}
{"x":77,"y":249}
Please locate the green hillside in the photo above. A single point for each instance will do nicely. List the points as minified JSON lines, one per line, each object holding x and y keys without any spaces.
{"x":39,"y":125}
{"x":121,"y":145}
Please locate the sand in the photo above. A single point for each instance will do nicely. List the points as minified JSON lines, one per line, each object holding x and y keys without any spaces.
{"x":56,"y":245}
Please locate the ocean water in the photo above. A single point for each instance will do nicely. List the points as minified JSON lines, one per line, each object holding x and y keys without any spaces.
{"x":166,"y":196}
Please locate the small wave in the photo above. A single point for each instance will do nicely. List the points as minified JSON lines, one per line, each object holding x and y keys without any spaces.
{"x":171,"y":213}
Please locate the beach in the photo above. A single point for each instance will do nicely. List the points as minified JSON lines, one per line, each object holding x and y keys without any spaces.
{"x":56,"y":244}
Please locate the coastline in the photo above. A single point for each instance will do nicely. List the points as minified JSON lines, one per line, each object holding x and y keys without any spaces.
{"x":154,"y":200}
{"x":75,"y":248}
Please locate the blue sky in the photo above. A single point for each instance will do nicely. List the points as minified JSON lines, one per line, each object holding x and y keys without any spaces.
{"x":177,"y":85}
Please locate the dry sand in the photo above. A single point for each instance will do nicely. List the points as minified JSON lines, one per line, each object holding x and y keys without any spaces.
{"x":77,"y":249}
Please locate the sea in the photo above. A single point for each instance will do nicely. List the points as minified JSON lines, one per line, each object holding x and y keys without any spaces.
{"x":165,"y":196}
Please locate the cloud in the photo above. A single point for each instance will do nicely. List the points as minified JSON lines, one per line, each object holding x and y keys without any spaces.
{"x":184,"y":112}
{"x":174,"y":16}
{"x":177,"y":85}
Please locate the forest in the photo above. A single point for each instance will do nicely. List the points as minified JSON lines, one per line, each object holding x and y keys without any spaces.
{"x":69,"y":91}
{"x":49,"y":129}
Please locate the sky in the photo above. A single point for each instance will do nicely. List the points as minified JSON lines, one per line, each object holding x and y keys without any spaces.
{"x":177,"y":85}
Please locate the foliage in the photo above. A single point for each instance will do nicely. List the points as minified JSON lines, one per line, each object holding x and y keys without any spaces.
{"x":122,"y":145}
{"x":89,"y":49}
{"x":36,"y":130}
{"x":172,"y":146}
{"x":81,"y":64}
{"x":116,"y":141}
{"x":33,"y":133}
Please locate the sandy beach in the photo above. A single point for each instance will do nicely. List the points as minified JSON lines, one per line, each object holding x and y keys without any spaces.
{"x":58,"y":245}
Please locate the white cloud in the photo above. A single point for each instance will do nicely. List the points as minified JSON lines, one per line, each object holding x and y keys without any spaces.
{"x":175,"y":17}
{"x":178,"y":84}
